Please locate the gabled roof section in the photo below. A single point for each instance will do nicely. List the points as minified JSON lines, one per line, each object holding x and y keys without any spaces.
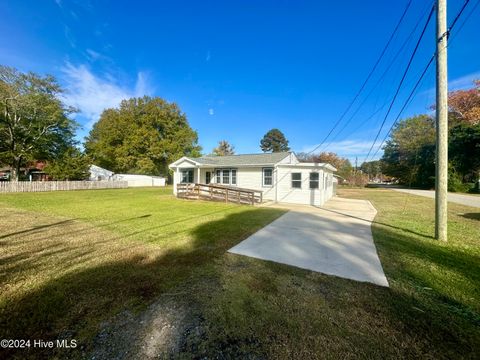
{"x":182,"y":159}
{"x":265,"y":159}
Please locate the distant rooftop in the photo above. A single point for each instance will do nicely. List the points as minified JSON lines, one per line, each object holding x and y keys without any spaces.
{"x":243,"y":159}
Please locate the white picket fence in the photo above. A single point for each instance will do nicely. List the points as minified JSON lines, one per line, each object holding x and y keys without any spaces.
{"x":37,"y":186}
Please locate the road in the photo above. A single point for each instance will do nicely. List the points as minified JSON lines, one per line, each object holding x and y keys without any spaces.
{"x":468,"y":200}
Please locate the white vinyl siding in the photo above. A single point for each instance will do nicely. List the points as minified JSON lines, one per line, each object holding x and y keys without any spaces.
{"x":252,"y":178}
{"x":305,"y":195}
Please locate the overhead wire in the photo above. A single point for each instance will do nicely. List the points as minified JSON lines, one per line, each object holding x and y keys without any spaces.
{"x":411,"y":95}
{"x":412,"y":56}
{"x":367,"y":79}
{"x":380,"y":79}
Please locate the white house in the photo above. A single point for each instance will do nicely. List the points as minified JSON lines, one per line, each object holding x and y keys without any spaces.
{"x":280,"y":176}
{"x":98,"y":173}
{"x":140,"y":180}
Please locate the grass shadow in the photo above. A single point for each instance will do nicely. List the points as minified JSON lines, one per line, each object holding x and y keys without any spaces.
{"x":80,"y":300}
{"x":36,"y":228}
{"x":473,"y":216}
{"x":379,"y":223}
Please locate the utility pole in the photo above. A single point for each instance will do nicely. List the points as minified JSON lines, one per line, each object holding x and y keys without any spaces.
{"x":441,"y":166}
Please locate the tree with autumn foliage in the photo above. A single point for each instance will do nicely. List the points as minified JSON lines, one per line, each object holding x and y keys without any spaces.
{"x":343,"y":165}
{"x":464,"y":106}
{"x":464,"y":134}
{"x":224,"y":148}
{"x":409,"y":154}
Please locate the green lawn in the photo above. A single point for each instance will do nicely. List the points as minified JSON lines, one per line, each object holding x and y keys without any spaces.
{"x":72,"y":260}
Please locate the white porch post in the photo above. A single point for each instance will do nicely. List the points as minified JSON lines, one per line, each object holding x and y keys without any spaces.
{"x":198,"y":175}
{"x":175,"y":180}
{"x":274,"y":181}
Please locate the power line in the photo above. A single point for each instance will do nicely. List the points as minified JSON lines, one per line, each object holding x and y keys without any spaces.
{"x":450,"y":28}
{"x":465,"y":20}
{"x":458,"y":16}
{"x":367,"y":79}
{"x":401,"y":81}
{"x":407,"y":40}
{"x":406,"y":103}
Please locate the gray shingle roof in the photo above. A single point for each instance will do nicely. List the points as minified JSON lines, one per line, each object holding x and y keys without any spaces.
{"x":247,"y":159}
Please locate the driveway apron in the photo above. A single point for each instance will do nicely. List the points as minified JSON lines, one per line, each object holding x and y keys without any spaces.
{"x":335,"y":239}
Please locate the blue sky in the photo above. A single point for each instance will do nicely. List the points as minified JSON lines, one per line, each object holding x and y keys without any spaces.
{"x":236,"y":68}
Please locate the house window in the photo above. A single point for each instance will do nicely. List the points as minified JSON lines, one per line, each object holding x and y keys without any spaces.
{"x":226,"y":176}
{"x":314,"y":180}
{"x":297,"y":180}
{"x":267,"y":177}
{"x":208,"y":177}
{"x":187,"y":176}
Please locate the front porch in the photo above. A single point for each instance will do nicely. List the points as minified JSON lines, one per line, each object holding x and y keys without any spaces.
{"x":208,"y":175}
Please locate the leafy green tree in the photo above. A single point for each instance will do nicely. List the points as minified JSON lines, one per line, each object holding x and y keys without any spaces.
{"x":142,"y":136}
{"x":34,"y":124}
{"x":372,"y":168}
{"x":274,"y":141}
{"x":409,"y":154}
{"x":224,"y":148}
{"x":464,"y":151}
{"x":71,"y":165}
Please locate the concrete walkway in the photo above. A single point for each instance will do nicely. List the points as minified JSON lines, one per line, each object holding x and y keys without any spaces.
{"x":468,"y":200}
{"x":335,"y":239}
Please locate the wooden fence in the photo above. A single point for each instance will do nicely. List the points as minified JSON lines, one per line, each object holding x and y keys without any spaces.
{"x":215,"y":192}
{"x":38,"y":186}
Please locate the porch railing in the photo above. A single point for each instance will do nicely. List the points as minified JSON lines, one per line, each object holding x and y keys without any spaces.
{"x":216,"y":192}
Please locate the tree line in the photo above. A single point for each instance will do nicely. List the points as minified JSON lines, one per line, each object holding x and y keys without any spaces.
{"x":145,"y":134}
{"x":141,"y":136}
{"x":409,"y":153}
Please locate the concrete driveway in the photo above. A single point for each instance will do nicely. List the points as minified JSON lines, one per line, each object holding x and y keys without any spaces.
{"x":335,"y":239}
{"x":468,"y":200}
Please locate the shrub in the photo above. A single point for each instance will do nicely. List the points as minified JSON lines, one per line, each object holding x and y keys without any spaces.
{"x":455,"y":183}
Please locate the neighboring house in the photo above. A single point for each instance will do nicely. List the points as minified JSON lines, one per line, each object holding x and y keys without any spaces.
{"x":280,"y":176}
{"x":140,"y":180}
{"x":32,"y":172}
{"x":99,"y":174}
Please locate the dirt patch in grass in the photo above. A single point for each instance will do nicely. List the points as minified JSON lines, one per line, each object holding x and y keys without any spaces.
{"x":157,"y":332}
